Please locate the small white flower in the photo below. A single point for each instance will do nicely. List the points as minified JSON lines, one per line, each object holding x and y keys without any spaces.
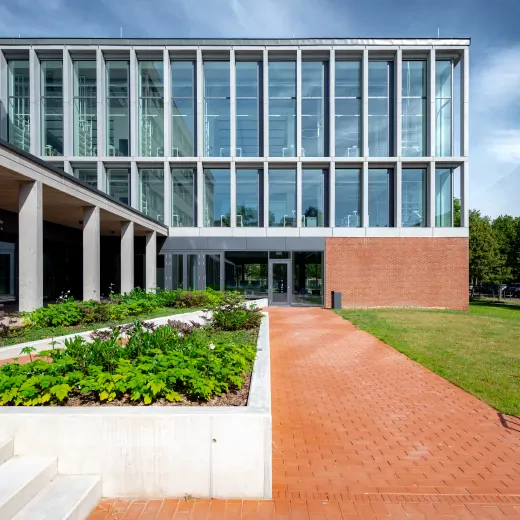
{"x":211,"y":346}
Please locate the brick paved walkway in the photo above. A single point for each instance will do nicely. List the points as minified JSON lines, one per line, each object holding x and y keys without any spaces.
{"x":360,"y":431}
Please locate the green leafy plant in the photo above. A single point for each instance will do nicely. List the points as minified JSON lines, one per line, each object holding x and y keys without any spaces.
{"x":232,"y":313}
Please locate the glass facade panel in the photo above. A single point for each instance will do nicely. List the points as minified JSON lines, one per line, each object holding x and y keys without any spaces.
{"x":414,"y":198}
{"x":380,"y":79}
{"x":307,"y":270}
{"x":217,"y":198}
{"x":87,"y":175}
{"x":51,"y":88}
{"x":183,"y":197}
{"x":118,"y":184}
{"x":151,"y":192}
{"x":183,"y":108}
{"x":348,"y":201}
{"x":213,"y":271}
{"x":443,"y":108}
{"x":414,"y":109}
{"x":151,"y":108}
{"x":282,"y":109}
{"x":348,"y":108}
{"x":313,"y":212}
{"x":247,"y":109}
{"x":246,"y":272}
{"x":444,"y":198}
{"x":248,"y":197}
{"x":19,"y":124}
{"x":217,"y":90}
{"x":282,"y":198}
{"x":379,"y":196}
{"x":192,"y":272}
{"x":177,"y":272}
{"x":85,"y":109}
{"x":118,"y":118}
{"x":313,"y":109}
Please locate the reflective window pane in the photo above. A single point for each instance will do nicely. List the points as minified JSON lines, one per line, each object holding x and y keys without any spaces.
{"x":87,"y":175}
{"x":118,"y":120}
{"x":414,"y":198}
{"x":313,"y":198}
{"x":151,"y":108}
{"x":444,"y":197}
{"x":379,"y":194}
{"x":348,"y":201}
{"x":183,"y":108}
{"x":85,"y":109}
{"x":282,"y":198}
{"x":19,"y":124}
{"x":307,"y":270}
{"x":313,"y":109}
{"x":213,"y":271}
{"x":177,"y":272}
{"x":216,"y":109}
{"x":414,"y":109}
{"x":282,"y":109}
{"x":380,"y":78}
{"x":51,"y":88}
{"x":348,"y":108}
{"x":192,"y":272}
{"x":443,"y":108}
{"x":247,"y":190}
{"x":247,"y":109}
{"x":183,"y":197}
{"x":246,"y":272}
{"x":151,"y":192}
{"x":118,"y":184}
{"x":217,"y":198}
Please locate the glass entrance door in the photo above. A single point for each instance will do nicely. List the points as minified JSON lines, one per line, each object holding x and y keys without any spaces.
{"x":279,"y":277}
{"x":6,"y":271}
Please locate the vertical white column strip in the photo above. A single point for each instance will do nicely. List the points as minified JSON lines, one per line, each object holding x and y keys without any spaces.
{"x":34,"y":93}
{"x":68,"y":127}
{"x":200,"y":194}
{"x":134,"y":105}
{"x":4,"y":95}
{"x":299,"y":189}
{"x":134,"y":186}
{"x":431,"y":194}
{"x":364,"y":104}
{"x":101,"y":177}
{"x":167,"y":194}
{"x":233,"y":194}
{"x":398,"y":93}
{"x":332,"y":104}
{"x":101,"y":104}
{"x":464,"y":195}
{"x":91,"y":253}
{"x":67,"y":167}
{"x":266,"y":194}
{"x":167,"y":105}
{"x":151,"y":261}
{"x":364,"y":196}
{"x":299,"y":151}
{"x":265,"y":104}
{"x":127,"y":257}
{"x":398,"y":195}
{"x":200,"y":105}
{"x":332,"y":195}
{"x":232,"y":106}
{"x":431,"y":104}
{"x":464,"y":118}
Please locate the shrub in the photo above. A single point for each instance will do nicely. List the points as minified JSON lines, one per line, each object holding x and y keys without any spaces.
{"x":232,"y":313}
{"x":60,"y":314}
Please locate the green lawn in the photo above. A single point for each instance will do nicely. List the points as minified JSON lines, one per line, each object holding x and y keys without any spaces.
{"x":36,"y":333}
{"x":477,"y":350}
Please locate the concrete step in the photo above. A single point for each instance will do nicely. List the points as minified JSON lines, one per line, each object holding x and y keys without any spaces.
{"x":21,"y":479}
{"x":71,"y":497}
{"x":6,"y":449}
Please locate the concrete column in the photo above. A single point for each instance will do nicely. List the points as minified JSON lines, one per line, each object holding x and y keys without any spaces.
{"x":430,"y":191}
{"x":332,"y":194}
{"x":232,"y":107}
{"x":101,"y":105}
{"x":167,"y":104}
{"x":364,"y":195}
{"x":134,"y":105}
{"x":332,"y":104}
{"x":127,"y":257}
{"x":299,"y":151}
{"x":464,"y":105}
{"x":200,"y":194}
{"x":430,"y":133}
{"x":265,"y":94}
{"x":266,"y":194}
{"x":34,"y":99}
{"x":200,"y":104}
{"x":398,"y":195}
{"x":167,"y":194}
{"x":299,"y":189}
{"x":91,"y":253}
{"x":4,"y":94}
{"x":233,"y":194}
{"x":364,"y":104}
{"x":398,"y":119}
{"x":68,"y":92}
{"x":151,"y":261}
{"x":464,"y":195}
{"x":30,"y":246}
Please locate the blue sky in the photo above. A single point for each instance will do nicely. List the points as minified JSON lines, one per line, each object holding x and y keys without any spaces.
{"x":491,"y":24}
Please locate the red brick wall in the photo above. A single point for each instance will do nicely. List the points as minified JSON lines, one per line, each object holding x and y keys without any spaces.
{"x":398,"y":272}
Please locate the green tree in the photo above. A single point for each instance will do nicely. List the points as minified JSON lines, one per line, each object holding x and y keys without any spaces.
{"x":507,"y":230}
{"x":456,"y":212}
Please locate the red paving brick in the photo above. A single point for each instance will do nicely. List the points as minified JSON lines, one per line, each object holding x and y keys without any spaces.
{"x":362,"y":432}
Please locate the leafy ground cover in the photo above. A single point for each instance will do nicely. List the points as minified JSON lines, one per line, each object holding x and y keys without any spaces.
{"x":477,"y":350}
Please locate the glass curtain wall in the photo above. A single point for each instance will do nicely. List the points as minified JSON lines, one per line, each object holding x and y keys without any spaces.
{"x":414,"y":198}
{"x":19,"y":127}
{"x":282,"y":109}
{"x":217,"y":198}
{"x":247,"y":273}
{"x":348,"y":201}
{"x":313,"y":108}
{"x":247,"y":109}
{"x":248,"y":198}
{"x":313,"y":203}
{"x":151,"y":108}
{"x":348,"y":108}
{"x":217,"y":90}
{"x":379,"y":196}
{"x":183,"y":108}
{"x":213,"y":271}
{"x":118,"y":118}
{"x":87,"y":175}
{"x":118,"y":184}
{"x":85,"y":109}
{"x":307,"y":271}
{"x":282,"y":198}
{"x":443,"y":197}
{"x":183,"y":197}
{"x":443,"y":108}
{"x":414,"y":109}
{"x":52,"y":107}
{"x":380,"y":79}
{"x":151,"y":192}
